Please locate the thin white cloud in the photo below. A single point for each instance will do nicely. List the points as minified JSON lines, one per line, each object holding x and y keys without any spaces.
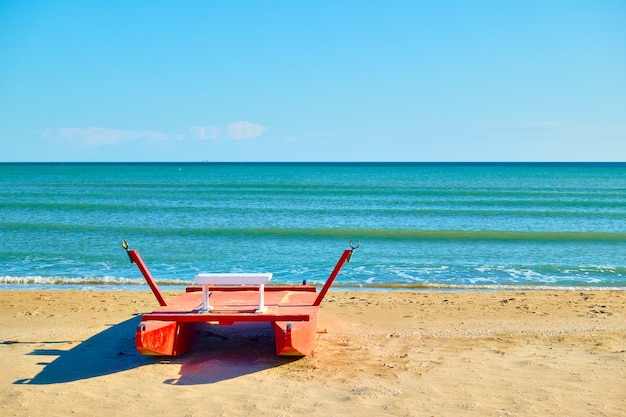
{"x":205,"y":132}
{"x":97,"y":136}
{"x":245,"y":130}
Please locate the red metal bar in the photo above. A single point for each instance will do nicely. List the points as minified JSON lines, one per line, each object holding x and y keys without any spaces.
{"x":231,"y":318}
{"x":344,"y":257}
{"x":134,"y":256}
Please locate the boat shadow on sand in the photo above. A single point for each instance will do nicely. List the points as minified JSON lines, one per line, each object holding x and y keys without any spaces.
{"x":219,"y":353}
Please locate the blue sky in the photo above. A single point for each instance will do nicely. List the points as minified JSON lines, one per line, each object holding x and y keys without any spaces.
{"x":313,"y":81}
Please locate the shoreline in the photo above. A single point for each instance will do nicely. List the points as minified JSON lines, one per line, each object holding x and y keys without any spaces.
{"x":335,"y":288}
{"x":402,"y":353}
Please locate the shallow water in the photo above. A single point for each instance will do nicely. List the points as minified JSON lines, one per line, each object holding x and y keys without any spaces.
{"x":468,"y":226}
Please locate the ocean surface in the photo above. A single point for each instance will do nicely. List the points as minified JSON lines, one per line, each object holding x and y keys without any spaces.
{"x":420,"y":226}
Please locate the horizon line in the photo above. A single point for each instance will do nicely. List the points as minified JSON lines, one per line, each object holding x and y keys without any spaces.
{"x":206,"y":162}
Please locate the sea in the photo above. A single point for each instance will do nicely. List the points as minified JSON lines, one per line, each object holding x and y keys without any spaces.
{"x":418,"y":226}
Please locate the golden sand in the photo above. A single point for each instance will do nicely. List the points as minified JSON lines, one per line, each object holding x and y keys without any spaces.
{"x":557,"y":353}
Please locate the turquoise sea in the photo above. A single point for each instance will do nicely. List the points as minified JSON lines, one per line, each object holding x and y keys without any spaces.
{"x":420,"y":226}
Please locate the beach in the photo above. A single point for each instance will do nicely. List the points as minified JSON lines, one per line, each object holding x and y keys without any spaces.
{"x":525,"y":353}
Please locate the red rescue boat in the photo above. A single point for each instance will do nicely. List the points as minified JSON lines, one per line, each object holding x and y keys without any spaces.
{"x":225,"y":299}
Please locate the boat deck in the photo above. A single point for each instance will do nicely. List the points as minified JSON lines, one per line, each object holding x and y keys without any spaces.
{"x":239,"y":304}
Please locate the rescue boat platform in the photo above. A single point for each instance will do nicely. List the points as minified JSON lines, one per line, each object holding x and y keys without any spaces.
{"x":225,"y":299}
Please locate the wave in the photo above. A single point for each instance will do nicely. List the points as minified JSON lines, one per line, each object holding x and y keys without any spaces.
{"x":37,"y":280}
{"x":479,"y":235}
{"x":612,"y":209}
{"x":339,"y":232}
{"x":138,"y":284}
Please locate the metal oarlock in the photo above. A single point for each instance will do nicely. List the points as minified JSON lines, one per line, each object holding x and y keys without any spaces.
{"x":352,"y":248}
{"x":125,"y":246}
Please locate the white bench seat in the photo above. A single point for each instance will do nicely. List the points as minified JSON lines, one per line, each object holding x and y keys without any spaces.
{"x":232,"y":279}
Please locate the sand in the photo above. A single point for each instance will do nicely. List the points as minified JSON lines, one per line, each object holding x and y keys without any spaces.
{"x":560,"y":353}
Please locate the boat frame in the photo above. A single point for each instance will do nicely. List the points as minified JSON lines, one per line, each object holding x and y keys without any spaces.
{"x":292,"y":310}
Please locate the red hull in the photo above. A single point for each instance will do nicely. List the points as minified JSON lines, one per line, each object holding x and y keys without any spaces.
{"x":163,"y":338}
{"x":295,"y":339}
{"x":167,"y":330}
